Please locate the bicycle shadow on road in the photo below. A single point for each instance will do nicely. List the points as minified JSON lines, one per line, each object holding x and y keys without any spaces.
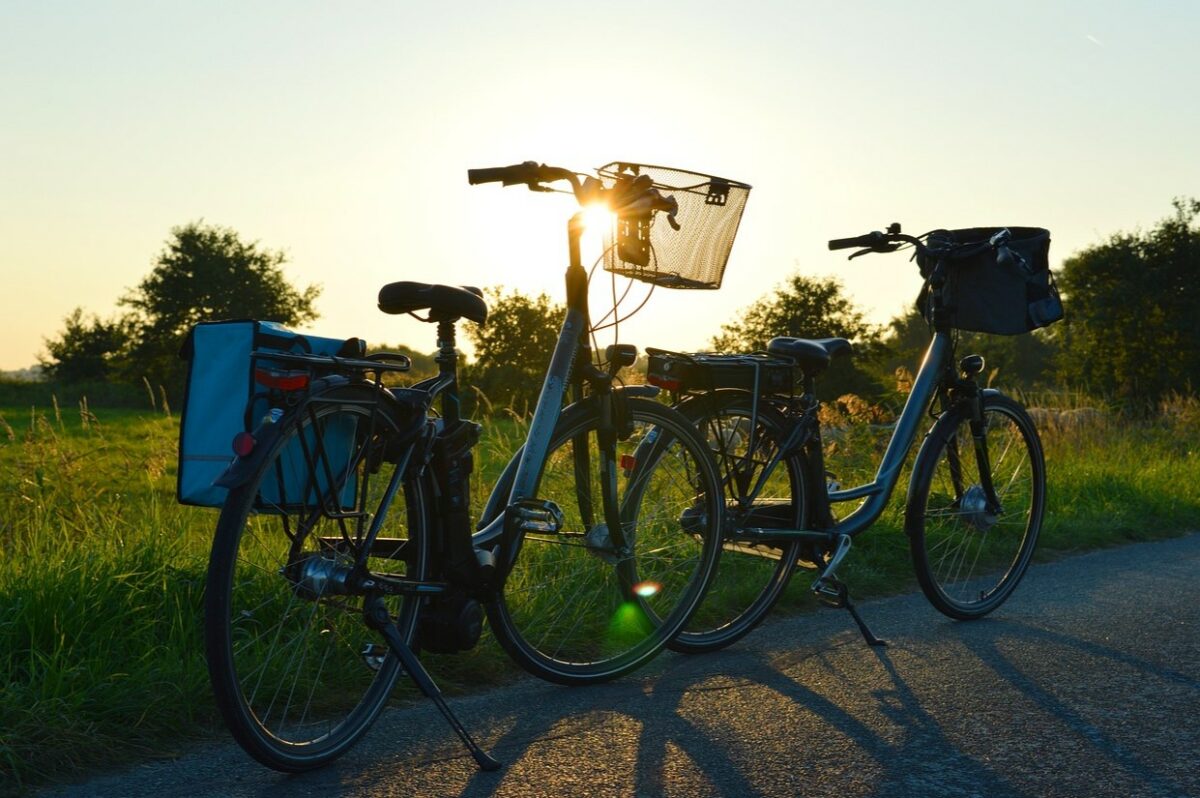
{"x":825,"y":716}
{"x":1098,"y":727}
{"x":820,"y":742}
{"x":766,"y":731}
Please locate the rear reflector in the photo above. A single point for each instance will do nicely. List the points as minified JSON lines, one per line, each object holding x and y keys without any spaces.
{"x":243,"y":444}
{"x":281,"y":380}
{"x":665,"y":383}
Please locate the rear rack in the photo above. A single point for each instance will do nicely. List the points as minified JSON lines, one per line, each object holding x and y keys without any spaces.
{"x":700,"y":372}
{"x":380,"y":362}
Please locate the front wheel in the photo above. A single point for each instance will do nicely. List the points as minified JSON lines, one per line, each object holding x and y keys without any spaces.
{"x":589,"y":602}
{"x":968,"y":551}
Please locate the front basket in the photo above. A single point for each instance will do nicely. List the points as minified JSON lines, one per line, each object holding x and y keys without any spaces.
{"x":694,"y":256}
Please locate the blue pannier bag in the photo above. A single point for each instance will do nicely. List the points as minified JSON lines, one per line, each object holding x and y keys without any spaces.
{"x":223,"y":399}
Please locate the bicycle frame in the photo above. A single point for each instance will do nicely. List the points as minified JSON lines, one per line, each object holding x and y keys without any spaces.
{"x":877,"y":493}
{"x":571,"y":343}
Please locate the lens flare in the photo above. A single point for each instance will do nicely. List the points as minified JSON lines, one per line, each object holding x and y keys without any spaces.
{"x":647,"y":589}
{"x":629,"y":624}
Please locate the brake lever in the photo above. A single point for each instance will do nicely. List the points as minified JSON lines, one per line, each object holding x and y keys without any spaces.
{"x":674,"y":209}
{"x":876,"y":248}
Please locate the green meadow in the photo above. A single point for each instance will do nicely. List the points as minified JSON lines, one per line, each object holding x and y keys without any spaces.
{"x":102,"y":573}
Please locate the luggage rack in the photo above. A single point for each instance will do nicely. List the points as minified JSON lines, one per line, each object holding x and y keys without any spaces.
{"x":380,"y":362}
{"x":701,"y":372}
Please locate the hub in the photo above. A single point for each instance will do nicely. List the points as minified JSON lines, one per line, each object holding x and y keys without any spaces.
{"x":974,"y":507}
{"x":600,"y":544}
{"x":315,"y":576}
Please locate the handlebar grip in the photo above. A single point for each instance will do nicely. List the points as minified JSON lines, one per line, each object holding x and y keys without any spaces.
{"x":870,"y":239}
{"x":508,"y":175}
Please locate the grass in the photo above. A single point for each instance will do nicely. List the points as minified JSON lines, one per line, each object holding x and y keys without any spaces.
{"x":102,"y":573}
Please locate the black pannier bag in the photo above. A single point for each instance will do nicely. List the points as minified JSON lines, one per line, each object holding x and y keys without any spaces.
{"x":1005,"y":289}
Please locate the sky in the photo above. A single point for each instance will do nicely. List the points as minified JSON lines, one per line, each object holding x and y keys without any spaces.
{"x":341,"y":134}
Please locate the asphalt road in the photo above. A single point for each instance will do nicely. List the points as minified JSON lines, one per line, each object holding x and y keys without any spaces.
{"x":1086,"y":683}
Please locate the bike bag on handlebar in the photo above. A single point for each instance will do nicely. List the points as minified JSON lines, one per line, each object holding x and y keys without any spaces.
{"x":1006,"y":289}
{"x":229,"y":391}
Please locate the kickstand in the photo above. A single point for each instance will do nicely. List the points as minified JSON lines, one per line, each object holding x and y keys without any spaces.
{"x":378,"y":618}
{"x":833,"y":593}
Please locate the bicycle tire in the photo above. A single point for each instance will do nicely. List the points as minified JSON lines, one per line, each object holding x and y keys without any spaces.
{"x":273,"y":636}
{"x":969,"y":560}
{"x":750,"y":576}
{"x":573,"y":610}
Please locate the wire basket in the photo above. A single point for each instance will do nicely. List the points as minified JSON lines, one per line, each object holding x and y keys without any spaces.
{"x":647,"y":248}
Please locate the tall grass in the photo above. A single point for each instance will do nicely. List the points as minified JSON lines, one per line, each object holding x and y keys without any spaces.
{"x":100,"y":580}
{"x":102,"y":573}
{"x":1111,"y":479}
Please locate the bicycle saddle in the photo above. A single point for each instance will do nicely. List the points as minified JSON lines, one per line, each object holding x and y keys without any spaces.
{"x":812,"y":355}
{"x":444,"y":302}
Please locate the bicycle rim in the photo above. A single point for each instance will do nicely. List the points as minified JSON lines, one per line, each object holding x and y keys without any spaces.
{"x":297,"y":675}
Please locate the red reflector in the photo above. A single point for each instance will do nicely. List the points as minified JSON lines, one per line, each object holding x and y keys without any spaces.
{"x":663,"y":382}
{"x":281,"y":380}
{"x":628,"y":462}
{"x":243,"y":444}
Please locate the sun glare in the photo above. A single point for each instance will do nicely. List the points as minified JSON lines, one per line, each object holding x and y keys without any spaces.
{"x":597,"y":217}
{"x":598,"y":220}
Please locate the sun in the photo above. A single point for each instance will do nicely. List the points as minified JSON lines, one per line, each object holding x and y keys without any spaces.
{"x":598,"y":225}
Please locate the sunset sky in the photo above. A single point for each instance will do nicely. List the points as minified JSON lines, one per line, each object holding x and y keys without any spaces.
{"x":341,"y":133}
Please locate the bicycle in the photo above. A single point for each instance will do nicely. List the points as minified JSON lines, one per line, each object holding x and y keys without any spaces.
{"x":345,"y":543}
{"x":977,"y":492}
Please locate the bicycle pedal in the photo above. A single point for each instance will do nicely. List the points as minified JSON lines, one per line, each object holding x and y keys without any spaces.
{"x":830,"y":593}
{"x":373,"y":655}
{"x":536,"y":515}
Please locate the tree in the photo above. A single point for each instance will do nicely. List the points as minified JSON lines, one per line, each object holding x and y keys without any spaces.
{"x":810,"y":307}
{"x":513,"y":348}
{"x":1012,"y":360}
{"x":206,"y":273}
{"x":1132,"y":327}
{"x":87,"y":349}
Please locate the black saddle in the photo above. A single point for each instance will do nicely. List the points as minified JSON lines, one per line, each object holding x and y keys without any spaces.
{"x":444,"y":302}
{"x":812,"y":355}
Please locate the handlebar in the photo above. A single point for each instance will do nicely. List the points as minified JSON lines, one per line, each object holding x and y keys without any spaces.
{"x":530,"y":173}
{"x":877,"y":241}
{"x":633,"y":197}
{"x":937,"y":245}
{"x":508,"y":175}
{"x":868,"y":240}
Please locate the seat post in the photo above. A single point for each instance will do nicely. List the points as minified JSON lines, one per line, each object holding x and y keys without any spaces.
{"x":447,"y":360}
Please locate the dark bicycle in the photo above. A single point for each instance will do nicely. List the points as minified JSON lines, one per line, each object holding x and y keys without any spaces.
{"x":345,"y":544}
{"x":977,"y":493}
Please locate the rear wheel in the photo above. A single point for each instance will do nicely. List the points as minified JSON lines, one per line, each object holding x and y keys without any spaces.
{"x":588,"y":603}
{"x":762,"y":490}
{"x":969,"y":555}
{"x":296,"y":674}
